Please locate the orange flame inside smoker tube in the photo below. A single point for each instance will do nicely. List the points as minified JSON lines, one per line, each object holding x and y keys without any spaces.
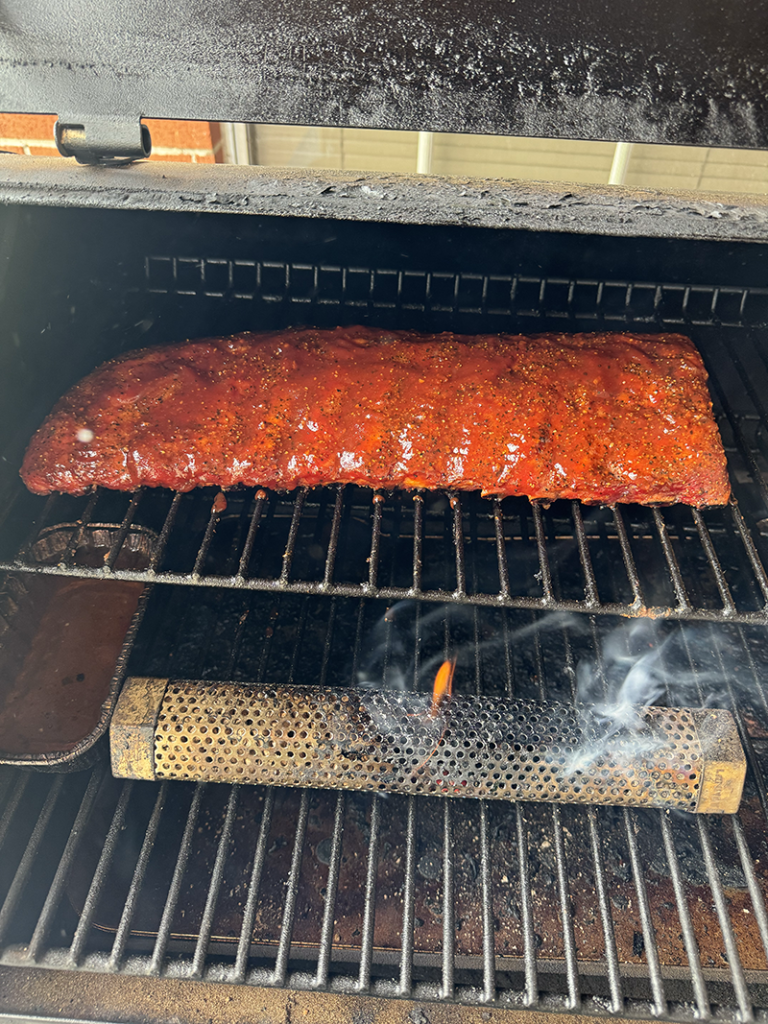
{"x":443,"y":686}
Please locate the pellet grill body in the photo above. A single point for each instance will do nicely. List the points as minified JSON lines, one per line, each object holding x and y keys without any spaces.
{"x":160,"y":901}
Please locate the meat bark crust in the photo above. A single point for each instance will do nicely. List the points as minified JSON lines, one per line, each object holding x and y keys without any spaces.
{"x":597,"y":417}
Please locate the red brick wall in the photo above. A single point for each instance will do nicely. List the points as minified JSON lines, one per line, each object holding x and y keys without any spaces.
{"x":185,"y":141}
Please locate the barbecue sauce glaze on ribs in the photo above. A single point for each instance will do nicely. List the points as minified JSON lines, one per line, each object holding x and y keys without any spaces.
{"x":597,"y":417}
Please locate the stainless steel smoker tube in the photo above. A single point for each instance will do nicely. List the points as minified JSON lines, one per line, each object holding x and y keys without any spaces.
{"x":400,"y":742}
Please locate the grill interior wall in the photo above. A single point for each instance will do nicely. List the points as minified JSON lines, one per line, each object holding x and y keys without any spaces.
{"x":564,"y":908}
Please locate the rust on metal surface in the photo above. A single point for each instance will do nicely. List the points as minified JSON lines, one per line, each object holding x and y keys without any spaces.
{"x":722,"y":779}
{"x":385,"y":741}
{"x":132,"y":730}
{"x":30,"y":992}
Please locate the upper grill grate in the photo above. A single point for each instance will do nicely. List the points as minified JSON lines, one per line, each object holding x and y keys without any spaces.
{"x":349,"y":542}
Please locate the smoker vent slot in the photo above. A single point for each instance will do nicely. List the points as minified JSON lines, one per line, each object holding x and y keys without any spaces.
{"x":461,"y":293}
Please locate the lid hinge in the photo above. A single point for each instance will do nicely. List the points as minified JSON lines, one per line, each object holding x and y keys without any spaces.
{"x":102,"y":140}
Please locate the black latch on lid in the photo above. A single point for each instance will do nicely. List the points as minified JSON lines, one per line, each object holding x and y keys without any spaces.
{"x":102,"y":140}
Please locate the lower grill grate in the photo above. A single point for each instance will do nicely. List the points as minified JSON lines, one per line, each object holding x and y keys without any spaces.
{"x":596,"y":909}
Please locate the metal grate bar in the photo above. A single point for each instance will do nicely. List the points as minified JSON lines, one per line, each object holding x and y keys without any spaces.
{"x":214,"y":888}
{"x":331,"y":888}
{"x":369,"y":899}
{"x":77,"y":534}
{"x":569,"y":939}
{"x":566,"y":911}
{"x":125,"y":526}
{"x":97,"y":882}
{"x":590,"y":583}
{"x":231,"y":562}
{"x":601,"y":885}
{"x":501,"y":552}
{"x":22,"y":781}
{"x":210,"y":529}
{"x":389,"y":593}
{"x":509,"y":672}
{"x":394,"y":537}
{"x":21,"y":877}
{"x":630,"y":564}
{"x":237,"y":640}
{"x":563,"y":888}
{"x":358,"y":641}
{"x":373,"y":563}
{"x":291,"y":892}
{"x":734,"y":962}
{"x":755,"y":892}
{"x":137,"y":880}
{"x":254,"y":885}
{"x":328,"y":643}
{"x":757,"y":349}
{"x":165,"y":533}
{"x":409,"y":892}
{"x":56,"y":888}
{"x":703,"y":1010}
{"x":746,"y":740}
{"x":266,"y":646}
{"x":749,"y":386}
{"x":333,"y":541}
{"x":297,"y":646}
{"x":649,"y":935}
{"x":605,"y":549}
{"x":418,"y":540}
{"x":37,"y":524}
{"x":416,"y":647}
{"x":458,"y":545}
{"x":476,"y":651}
{"x":486,"y":898}
{"x":449,"y":915}
{"x":714,"y":563}
{"x":174,"y":891}
{"x":541,"y":546}
{"x":734,"y":421}
{"x":531,"y":993}
{"x":749,"y":749}
{"x":260,"y":498}
{"x":672,"y":564}
{"x":387,"y":652}
{"x":749,"y":546}
{"x":293,"y":533}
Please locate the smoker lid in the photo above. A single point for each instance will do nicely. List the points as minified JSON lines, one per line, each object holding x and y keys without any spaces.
{"x":670,"y":71}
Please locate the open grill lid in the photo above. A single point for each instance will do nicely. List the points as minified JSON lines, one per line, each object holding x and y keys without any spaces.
{"x":667,"y":71}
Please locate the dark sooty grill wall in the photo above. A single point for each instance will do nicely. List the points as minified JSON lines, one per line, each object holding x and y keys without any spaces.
{"x":511,"y":905}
